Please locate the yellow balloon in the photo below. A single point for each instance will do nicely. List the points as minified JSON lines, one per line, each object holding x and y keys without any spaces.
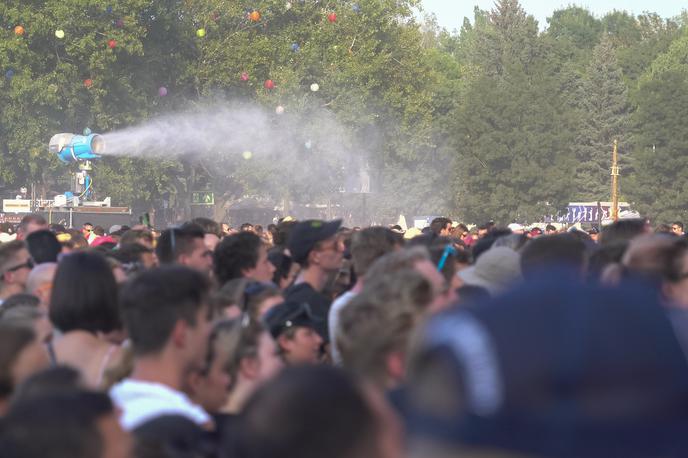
{"x":59,"y":34}
{"x":200,"y":33}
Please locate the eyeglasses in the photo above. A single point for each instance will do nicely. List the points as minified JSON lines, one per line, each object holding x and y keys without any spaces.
{"x":448,"y":250}
{"x":28,"y":265}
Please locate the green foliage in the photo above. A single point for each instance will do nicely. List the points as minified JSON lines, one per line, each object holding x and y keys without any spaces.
{"x":497,"y":120}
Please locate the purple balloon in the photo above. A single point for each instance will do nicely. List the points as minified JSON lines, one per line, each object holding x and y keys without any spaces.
{"x":162,"y":91}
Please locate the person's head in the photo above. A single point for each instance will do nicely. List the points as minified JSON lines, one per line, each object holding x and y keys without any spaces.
{"x":30,"y":223}
{"x":24,"y":310}
{"x":293,"y":326}
{"x":166,"y":310}
{"x":15,"y":265}
{"x":259,"y":298}
{"x":288,"y":414}
{"x":21,"y":354}
{"x":550,"y":229}
{"x":285,"y":269}
{"x":677,"y":228}
{"x":73,"y":424}
{"x":135,"y":257}
{"x":247,"y":227}
{"x":211,"y":229}
{"x":497,"y":270}
{"x":370,"y":244}
{"x":141,"y":236}
{"x":43,"y":246}
{"x":185,"y":246}
{"x":87,"y":229}
{"x":624,"y":230}
{"x":441,"y":226}
{"x":560,"y":250}
{"x":244,"y":352}
{"x":242,"y":255}
{"x":84,"y":295}
{"x":660,"y":259}
{"x":314,"y":244}
{"x":40,"y":282}
{"x":375,"y":327}
{"x":72,"y":240}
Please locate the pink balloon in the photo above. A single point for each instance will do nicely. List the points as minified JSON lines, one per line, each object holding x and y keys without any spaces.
{"x":162,"y":91}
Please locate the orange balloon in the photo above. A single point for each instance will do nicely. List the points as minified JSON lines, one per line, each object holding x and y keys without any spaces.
{"x":19,"y":30}
{"x":254,"y":16}
{"x":88,"y":82}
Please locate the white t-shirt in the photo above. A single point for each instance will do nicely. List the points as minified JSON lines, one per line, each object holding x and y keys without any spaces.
{"x":144,"y":401}
{"x":333,"y":321}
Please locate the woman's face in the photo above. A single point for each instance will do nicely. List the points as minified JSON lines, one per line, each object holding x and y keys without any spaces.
{"x":269,"y":362}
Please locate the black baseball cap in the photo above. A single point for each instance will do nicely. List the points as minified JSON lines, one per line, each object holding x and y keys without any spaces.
{"x":305,"y":234}
{"x":287,"y":315}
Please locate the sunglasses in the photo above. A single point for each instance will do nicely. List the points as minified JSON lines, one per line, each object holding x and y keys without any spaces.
{"x":28,"y":264}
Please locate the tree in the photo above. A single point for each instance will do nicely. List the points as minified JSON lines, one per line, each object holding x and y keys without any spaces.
{"x":606,"y":116}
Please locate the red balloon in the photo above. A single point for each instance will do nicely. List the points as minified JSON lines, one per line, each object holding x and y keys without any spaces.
{"x":269,"y":84}
{"x":244,"y":76}
{"x":88,"y":82}
{"x":332,"y":17}
{"x":112,"y":44}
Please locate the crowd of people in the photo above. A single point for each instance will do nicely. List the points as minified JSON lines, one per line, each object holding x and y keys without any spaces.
{"x":307,"y":339}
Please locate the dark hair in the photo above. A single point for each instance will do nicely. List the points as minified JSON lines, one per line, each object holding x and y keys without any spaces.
{"x":280,"y":237}
{"x":13,"y":339}
{"x":487,"y":241}
{"x":208,"y":225}
{"x":246,"y":227}
{"x":234,"y":254}
{"x":623,"y":230}
{"x":84,"y":294}
{"x":559,"y":250}
{"x":282,"y":263}
{"x":156,"y":299}
{"x":53,"y":380}
{"x":370,"y":244}
{"x":678,"y":223}
{"x":550,"y":227}
{"x":99,"y":230}
{"x":134,"y":235}
{"x":176,"y":241}
{"x":62,"y":425}
{"x":438,"y":224}
{"x":270,"y":425}
{"x":131,"y":257}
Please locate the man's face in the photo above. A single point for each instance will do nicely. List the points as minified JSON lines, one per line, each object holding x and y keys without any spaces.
{"x":264,"y":269}
{"x":676,"y":229}
{"x":86,"y":230}
{"x":211,"y":241}
{"x":446,"y":231}
{"x":197,"y":338}
{"x":212,"y":390}
{"x":303,"y":347}
{"x":17,"y":272}
{"x":330,"y":253}
{"x":200,"y":258}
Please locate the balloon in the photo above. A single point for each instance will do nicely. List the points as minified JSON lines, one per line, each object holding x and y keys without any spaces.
{"x":88,"y":82}
{"x":59,"y":34}
{"x":332,"y":17}
{"x":315,"y":87}
{"x":162,"y":91}
{"x":19,"y":30}
{"x":254,"y":16}
{"x":288,"y":5}
{"x":279,"y":110}
{"x":356,"y":8}
{"x":200,"y":33}
{"x":112,"y":44}
{"x":9,"y":74}
{"x":244,"y":76}
{"x":295,"y":47}
{"x":269,"y":84}
{"x":87,"y":131}
{"x":247,"y":155}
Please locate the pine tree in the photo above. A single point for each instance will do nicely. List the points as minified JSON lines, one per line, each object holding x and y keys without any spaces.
{"x":606,"y":117}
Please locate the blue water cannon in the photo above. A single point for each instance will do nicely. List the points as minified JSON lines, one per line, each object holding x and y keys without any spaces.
{"x":77,"y":148}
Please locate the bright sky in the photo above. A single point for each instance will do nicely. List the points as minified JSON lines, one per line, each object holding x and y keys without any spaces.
{"x":450,"y":13}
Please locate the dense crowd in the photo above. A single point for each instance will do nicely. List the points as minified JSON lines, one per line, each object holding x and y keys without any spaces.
{"x":307,"y":339}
